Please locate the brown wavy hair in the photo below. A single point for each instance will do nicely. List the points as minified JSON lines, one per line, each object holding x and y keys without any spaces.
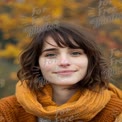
{"x":62,"y":33}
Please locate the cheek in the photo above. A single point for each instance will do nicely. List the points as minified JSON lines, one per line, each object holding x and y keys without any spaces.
{"x":82,"y":63}
{"x":50,"y":63}
{"x":47,"y":65}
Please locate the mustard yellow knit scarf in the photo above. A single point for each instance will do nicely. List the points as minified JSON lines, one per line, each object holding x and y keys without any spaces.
{"x":81,"y":106}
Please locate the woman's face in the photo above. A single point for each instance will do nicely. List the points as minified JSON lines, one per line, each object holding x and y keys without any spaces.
{"x":62,"y":66}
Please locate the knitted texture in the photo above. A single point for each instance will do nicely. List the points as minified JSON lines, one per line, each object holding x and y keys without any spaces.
{"x":110,"y":112}
{"x":12,"y":111}
{"x":81,"y":107}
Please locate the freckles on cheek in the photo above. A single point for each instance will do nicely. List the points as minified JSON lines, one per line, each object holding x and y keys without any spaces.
{"x":48,"y":67}
{"x":50,"y":64}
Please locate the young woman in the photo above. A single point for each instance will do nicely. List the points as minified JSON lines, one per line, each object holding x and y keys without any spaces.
{"x":63,"y":78}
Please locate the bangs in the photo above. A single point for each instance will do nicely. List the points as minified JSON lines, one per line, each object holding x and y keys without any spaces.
{"x":62,"y":38}
{"x":67,"y":36}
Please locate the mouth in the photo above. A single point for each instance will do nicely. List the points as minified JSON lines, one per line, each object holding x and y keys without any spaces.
{"x":65,"y":72}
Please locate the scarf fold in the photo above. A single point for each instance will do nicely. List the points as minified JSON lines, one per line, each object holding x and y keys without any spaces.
{"x":81,"y":106}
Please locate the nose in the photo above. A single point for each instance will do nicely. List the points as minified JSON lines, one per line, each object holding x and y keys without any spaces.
{"x":64,"y":61}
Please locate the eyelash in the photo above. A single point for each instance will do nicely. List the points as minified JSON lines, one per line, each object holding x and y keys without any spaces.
{"x":79,"y":53}
{"x":48,"y":55}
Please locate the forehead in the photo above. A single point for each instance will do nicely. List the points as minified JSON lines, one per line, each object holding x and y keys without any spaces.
{"x":49,"y":42}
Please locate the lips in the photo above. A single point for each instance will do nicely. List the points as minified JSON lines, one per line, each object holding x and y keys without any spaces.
{"x":65,"y":72}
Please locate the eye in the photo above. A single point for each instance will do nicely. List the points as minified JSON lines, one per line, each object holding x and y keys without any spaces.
{"x":50,"y":55}
{"x":76,"y":53}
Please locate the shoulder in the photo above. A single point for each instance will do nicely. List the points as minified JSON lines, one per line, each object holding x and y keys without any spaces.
{"x":117,"y":109}
{"x":9,"y":102}
{"x":9,"y":98}
{"x":9,"y":108}
{"x":111,"y":112}
{"x":114,"y":108}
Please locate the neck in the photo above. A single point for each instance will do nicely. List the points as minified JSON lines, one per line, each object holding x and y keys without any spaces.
{"x":61,"y":95}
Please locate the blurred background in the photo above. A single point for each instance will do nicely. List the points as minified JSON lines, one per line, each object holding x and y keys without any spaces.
{"x":19,"y":21}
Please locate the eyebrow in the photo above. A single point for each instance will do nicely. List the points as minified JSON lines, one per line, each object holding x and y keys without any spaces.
{"x":55,"y":49}
{"x":50,"y":49}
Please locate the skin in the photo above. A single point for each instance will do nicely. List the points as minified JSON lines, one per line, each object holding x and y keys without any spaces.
{"x":59,"y":59}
